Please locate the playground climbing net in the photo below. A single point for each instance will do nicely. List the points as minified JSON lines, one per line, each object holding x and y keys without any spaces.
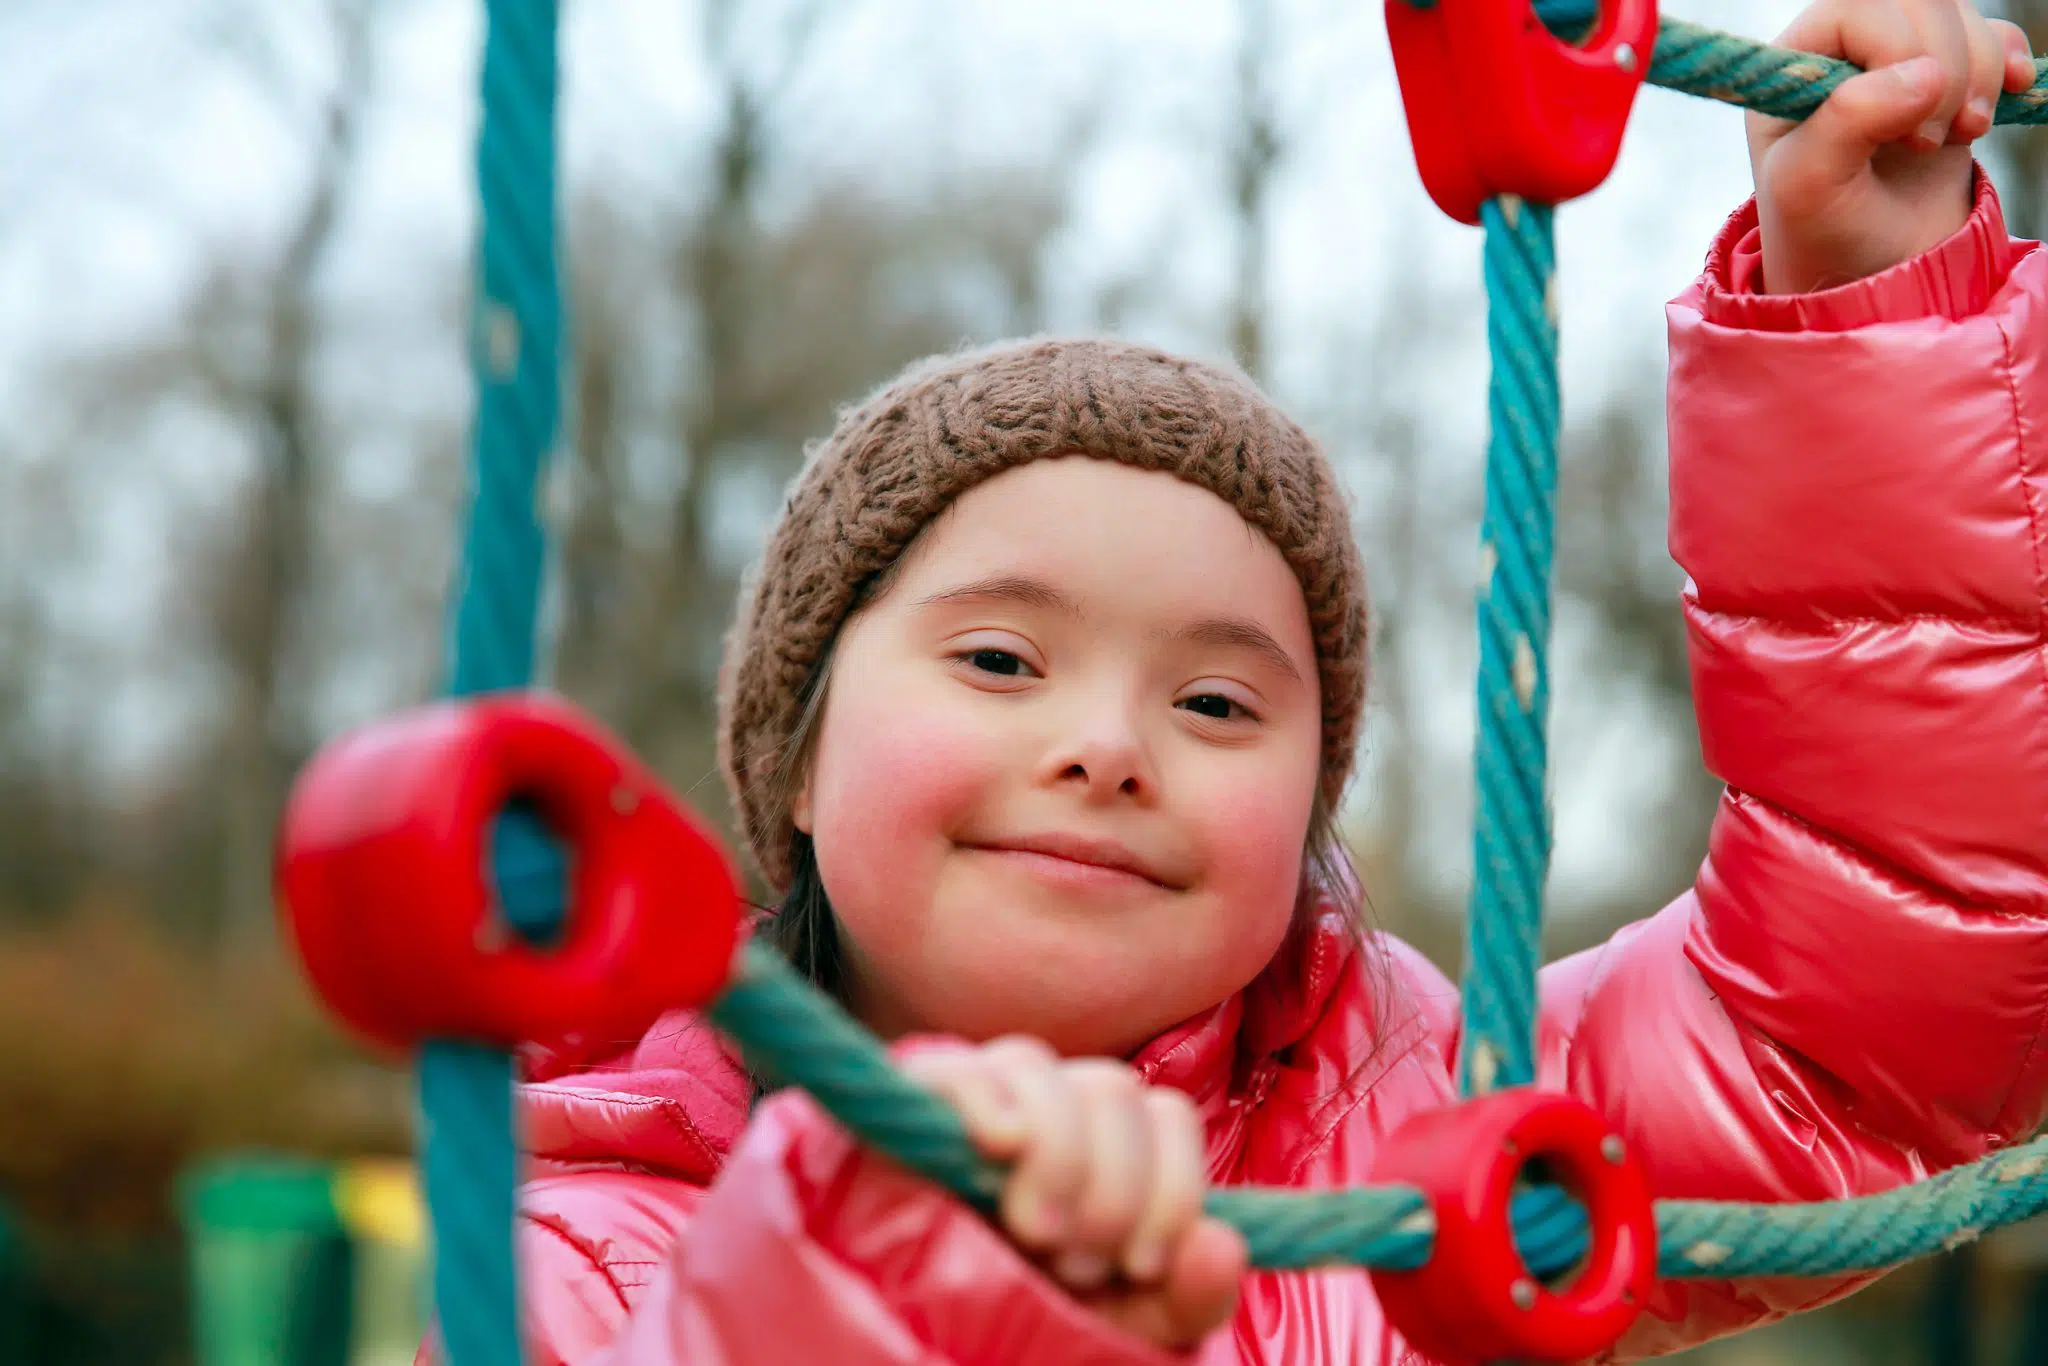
{"x":386,"y":909}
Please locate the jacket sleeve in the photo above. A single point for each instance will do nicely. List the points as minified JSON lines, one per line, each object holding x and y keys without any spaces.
{"x":1852,"y":995}
{"x":807,"y":1247}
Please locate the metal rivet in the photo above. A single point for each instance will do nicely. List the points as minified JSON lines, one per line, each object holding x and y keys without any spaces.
{"x":1625,"y":56}
{"x":1523,"y":1293}
{"x":1612,"y":1148}
{"x":625,"y":801}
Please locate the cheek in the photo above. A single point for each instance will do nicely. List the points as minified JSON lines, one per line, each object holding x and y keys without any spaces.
{"x":1252,"y":825}
{"x":897,"y":770}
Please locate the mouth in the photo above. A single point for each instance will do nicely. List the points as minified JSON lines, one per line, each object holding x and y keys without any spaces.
{"x":1072,"y":857}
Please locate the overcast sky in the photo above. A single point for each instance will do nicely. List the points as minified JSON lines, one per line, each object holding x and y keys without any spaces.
{"x":142,"y":138}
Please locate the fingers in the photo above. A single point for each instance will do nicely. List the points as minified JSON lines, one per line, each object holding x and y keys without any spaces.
{"x":965,"y":1078}
{"x":1890,"y":104}
{"x":1202,"y":1284}
{"x":1039,"y":1199}
{"x":1175,"y":1199}
{"x":1119,"y":1170}
{"x":1972,"y":59}
{"x":1107,"y":1177}
{"x":1199,"y":1294}
{"x":1941,"y":31}
{"x":1987,"y":69}
{"x":2019,"y":56}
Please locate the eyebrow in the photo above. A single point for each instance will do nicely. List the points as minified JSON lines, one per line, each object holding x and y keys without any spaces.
{"x":1240,"y":633}
{"x":1015,"y":588}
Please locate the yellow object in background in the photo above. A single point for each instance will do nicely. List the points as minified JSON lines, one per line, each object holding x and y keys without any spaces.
{"x":378,"y":1200}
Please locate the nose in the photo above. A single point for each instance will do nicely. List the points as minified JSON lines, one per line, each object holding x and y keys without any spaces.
{"x":1100,"y":753}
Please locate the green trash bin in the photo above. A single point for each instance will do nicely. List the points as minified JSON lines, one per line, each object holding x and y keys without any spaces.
{"x":272,"y":1267}
{"x":14,"y":1287}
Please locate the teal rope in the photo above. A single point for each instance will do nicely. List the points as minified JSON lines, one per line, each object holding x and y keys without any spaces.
{"x":1511,"y":826}
{"x":1773,"y":80}
{"x":788,"y":1030}
{"x":1512,"y":821}
{"x":468,"y":1153}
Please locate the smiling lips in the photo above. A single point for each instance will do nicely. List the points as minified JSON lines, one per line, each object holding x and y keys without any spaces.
{"x":1082,"y":853}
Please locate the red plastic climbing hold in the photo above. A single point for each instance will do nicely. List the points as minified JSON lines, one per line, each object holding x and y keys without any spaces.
{"x":1475,"y":1300}
{"x":383,"y":881}
{"x":1498,"y":105}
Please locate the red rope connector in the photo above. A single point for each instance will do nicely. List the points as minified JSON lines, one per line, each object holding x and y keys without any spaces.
{"x":383,"y":879}
{"x":1475,"y":1300}
{"x":1498,"y":105}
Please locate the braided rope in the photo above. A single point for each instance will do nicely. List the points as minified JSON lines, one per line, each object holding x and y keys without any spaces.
{"x":469,"y":1160}
{"x":1511,"y":826}
{"x":1772,"y":80}
{"x":789,"y":1030}
{"x":1512,"y":818}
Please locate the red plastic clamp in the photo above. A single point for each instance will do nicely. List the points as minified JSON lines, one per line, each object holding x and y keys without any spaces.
{"x":1497,"y":104}
{"x":383,"y":882}
{"x":1475,"y":1300}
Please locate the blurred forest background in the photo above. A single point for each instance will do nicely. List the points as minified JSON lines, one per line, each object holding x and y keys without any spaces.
{"x":234,"y":277}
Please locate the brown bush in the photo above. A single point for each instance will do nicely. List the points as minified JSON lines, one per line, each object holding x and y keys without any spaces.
{"x":125,"y":1055}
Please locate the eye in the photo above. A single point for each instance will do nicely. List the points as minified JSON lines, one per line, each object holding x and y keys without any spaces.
{"x":999,"y":662}
{"x":1213,"y":705}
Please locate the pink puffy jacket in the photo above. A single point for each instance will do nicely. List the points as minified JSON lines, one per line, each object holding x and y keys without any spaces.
{"x":1849,"y":998}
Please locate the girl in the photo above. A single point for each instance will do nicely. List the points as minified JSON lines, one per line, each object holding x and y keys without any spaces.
{"x":1050,"y":681}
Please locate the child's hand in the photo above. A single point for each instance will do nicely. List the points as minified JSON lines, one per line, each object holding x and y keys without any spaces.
{"x":1881,"y":172}
{"x":1107,"y":1184}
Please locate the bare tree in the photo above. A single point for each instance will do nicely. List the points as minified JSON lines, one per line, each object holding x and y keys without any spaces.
{"x":1254,"y":154}
{"x":263,"y":581}
{"x":242,"y":346}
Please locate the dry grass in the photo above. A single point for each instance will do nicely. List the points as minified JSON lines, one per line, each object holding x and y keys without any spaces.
{"x":124,"y":1056}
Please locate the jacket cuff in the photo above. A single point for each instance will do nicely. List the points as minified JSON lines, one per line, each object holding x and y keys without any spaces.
{"x":1953,"y":280}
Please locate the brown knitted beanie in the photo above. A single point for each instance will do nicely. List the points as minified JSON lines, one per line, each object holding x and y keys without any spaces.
{"x":896,"y":461}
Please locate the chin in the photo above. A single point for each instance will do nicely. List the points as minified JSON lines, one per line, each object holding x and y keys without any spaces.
{"x":1106,"y":998}
{"x":1092,"y":975}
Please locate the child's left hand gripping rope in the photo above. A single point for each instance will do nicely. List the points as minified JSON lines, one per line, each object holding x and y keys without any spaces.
{"x":383,"y":874}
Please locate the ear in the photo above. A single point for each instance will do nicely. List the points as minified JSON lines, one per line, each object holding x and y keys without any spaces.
{"x":800,"y":807}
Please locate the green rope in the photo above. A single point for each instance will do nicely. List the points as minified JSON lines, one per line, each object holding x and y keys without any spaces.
{"x":787,"y":1029}
{"x":1777,"y":81}
{"x":1511,"y":810}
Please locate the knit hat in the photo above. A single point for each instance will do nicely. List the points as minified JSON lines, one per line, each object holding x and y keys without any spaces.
{"x":896,"y":461}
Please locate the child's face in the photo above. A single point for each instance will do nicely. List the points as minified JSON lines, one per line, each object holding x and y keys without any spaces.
{"x":1081,"y":664}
